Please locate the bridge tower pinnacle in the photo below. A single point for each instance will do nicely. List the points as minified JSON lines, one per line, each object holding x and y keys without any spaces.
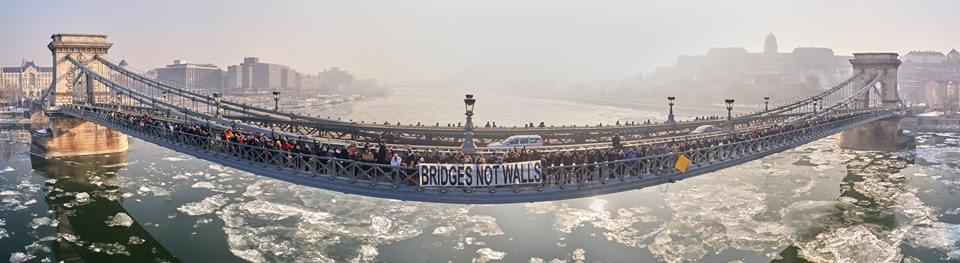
{"x":872,"y":64}
{"x":84,"y":48}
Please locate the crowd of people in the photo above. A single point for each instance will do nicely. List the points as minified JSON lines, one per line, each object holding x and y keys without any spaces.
{"x":380,"y":153}
{"x":543,"y":124}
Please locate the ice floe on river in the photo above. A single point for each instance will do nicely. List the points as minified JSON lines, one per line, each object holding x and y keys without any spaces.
{"x":205,"y":206}
{"x":120,"y":219}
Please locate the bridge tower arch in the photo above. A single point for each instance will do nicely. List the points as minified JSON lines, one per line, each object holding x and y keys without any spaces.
{"x":869,"y":65}
{"x":71,"y":136}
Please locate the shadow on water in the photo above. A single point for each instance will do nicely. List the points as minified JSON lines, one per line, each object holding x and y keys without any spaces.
{"x":83,"y":232}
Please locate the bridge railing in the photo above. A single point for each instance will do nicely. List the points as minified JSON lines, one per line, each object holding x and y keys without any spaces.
{"x":663,"y":165}
{"x":554,"y":178}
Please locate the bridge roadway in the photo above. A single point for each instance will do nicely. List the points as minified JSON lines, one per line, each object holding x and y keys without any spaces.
{"x":557,"y":182}
{"x":453,"y":136}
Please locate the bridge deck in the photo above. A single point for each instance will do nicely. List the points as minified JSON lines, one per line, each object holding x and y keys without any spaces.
{"x":796,"y":122}
{"x":557,"y":182}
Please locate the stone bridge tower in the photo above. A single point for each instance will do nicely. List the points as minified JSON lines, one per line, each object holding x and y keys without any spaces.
{"x":71,"y":136}
{"x":881,"y":135}
{"x":84,"y":48}
{"x":872,"y":64}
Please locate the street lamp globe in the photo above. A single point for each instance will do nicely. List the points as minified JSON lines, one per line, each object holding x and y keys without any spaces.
{"x":276,"y":101}
{"x":468,"y":103}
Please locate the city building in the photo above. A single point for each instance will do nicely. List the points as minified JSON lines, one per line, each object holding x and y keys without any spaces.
{"x":26,"y":81}
{"x":290,"y":79}
{"x":335,"y":79}
{"x":254,"y":77}
{"x":309,"y":82}
{"x":738,"y":73}
{"x":942,"y":96}
{"x":196,"y":77}
{"x":921,"y":67}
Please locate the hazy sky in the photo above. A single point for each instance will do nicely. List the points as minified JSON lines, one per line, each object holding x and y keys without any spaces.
{"x":428,"y":41}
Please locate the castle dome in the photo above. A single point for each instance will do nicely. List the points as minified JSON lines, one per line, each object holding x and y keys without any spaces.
{"x":770,"y":44}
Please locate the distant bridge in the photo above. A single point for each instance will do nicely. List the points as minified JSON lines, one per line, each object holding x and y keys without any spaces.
{"x":933,"y":124}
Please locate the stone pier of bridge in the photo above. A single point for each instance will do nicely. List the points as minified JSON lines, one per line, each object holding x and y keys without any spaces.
{"x":881,"y":135}
{"x":68,"y":136}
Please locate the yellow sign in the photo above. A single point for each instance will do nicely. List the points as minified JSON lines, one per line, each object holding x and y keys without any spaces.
{"x":682,"y":163}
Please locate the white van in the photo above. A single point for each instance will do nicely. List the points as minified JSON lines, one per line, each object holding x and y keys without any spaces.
{"x":519,"y":141}
{"x":705,"y":129}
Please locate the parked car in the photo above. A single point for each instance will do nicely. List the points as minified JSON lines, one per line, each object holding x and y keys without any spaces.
{"x":705,"y":129}
{"x":519,"y":141}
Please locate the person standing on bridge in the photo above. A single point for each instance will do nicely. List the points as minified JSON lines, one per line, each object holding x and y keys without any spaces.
{"x":616,"y":141}
{"x":381,"y":152}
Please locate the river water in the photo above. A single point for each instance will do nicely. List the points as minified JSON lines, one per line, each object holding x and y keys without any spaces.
{"x":815,"y":203}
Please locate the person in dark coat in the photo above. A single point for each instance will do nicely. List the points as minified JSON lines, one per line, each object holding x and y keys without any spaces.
{"x":616,"y":141}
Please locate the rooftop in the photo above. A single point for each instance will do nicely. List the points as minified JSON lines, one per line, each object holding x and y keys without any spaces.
{"x":23,"y":67}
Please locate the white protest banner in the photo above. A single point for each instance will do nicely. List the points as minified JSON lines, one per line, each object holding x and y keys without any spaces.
{"x":480,"y":175}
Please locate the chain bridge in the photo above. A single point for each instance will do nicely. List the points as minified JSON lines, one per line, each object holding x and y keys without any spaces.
{"x":95,"y":103}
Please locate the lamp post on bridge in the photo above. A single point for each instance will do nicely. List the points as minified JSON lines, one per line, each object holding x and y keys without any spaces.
{"x":729,"y":114}
{"x":766,"y":103}
{"x":670,"y":119}
{"x":119,"y":100}
{"x":276,"y":101}
{"x":216,"y":102}
{"x":164,"y":95}
{"x":468,"y":147}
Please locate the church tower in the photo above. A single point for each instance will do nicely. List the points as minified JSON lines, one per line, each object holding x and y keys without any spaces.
{"x":770,"y":44}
